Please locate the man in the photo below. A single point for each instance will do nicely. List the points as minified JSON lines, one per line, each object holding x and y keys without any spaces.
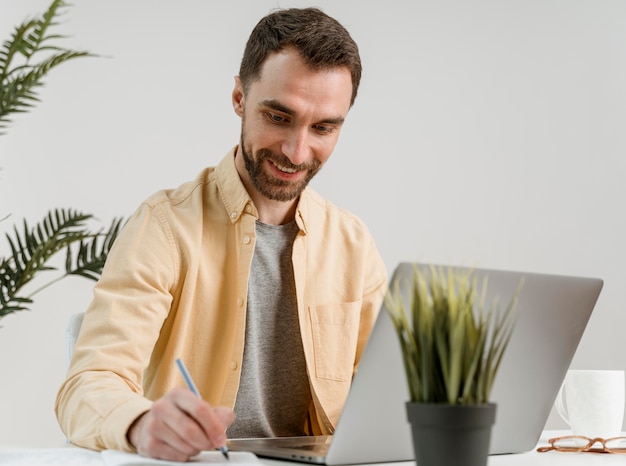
{"x":265,"y":290}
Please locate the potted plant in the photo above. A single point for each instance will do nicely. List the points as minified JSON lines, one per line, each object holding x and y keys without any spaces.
{"x":25,"y":59}
{"x":452,"y":343}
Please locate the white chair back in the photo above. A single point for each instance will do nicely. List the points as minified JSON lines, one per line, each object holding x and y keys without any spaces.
{"x":73,"y":329}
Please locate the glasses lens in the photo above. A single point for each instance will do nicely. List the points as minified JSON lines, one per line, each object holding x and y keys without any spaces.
{"x":571,"y":443}
{"x":616,"y":445}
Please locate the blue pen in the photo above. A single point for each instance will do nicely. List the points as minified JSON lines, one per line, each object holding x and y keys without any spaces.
{"x":192,"y":386}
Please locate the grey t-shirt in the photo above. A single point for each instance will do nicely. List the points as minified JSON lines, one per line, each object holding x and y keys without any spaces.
{"x":274,"y":393}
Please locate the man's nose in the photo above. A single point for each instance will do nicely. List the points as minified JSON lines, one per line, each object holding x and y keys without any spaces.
{"x":296,"y":146}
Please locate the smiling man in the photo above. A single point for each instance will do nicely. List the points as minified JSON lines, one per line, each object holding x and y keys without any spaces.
{"x":291,"y":119}
{"x":267,"y":291}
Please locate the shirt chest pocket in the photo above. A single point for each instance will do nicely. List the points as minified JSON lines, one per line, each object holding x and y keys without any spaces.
{"x":335,"y":330}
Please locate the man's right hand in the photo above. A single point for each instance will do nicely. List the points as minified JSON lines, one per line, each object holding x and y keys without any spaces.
{"x":178,"y":426}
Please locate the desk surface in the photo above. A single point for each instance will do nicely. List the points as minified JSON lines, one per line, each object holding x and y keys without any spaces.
{"x":74,"y":456}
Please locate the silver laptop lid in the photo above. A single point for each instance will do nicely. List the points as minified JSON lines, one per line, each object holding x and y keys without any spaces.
{"x":552,"y":314}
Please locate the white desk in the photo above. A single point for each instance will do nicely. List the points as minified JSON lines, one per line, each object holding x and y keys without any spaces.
{"x":73,"y":456}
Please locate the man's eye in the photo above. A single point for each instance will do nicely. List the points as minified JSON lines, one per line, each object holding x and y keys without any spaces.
{"x":274,"y":118}
{"x":324,"y":129}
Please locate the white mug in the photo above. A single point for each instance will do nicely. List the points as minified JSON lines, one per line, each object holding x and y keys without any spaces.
{"x":591,"y":402}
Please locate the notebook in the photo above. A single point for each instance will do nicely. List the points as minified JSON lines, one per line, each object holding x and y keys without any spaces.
{"x":122,"y":458}
{"x":553,"y":311}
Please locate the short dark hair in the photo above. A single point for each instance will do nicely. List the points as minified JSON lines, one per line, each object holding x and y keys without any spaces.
{"x":322,"y":42}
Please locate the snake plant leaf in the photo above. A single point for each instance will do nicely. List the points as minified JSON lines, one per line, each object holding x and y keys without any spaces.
{"x":452,"y":340}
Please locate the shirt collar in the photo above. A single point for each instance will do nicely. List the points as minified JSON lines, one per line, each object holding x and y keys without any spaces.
{"x":232,"y":191}
{"x":237,"y":200}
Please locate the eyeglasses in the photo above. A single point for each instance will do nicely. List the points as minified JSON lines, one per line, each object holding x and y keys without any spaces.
{"x":576,"y":443}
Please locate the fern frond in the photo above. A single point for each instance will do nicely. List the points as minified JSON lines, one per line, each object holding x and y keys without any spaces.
{"x":92,"y":253}
{"x":33,"y":248}
{"x":19,"y":91}
{"x":15,"y":45}
{"x":37,"y":36}
{"x":19,"y":82}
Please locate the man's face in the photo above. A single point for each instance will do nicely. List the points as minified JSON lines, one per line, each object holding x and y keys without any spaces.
{"x":291,"y":120}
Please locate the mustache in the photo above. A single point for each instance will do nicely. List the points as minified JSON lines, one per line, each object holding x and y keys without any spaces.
{"x":284,"y":161}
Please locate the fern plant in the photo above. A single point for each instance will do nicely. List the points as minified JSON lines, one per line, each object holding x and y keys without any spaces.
{"x":25,"y":59}
{"x":452,"y":341}
{"x":33,"y":249}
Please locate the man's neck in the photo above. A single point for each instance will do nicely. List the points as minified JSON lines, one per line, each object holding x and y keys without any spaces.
{"x":275,"y":215}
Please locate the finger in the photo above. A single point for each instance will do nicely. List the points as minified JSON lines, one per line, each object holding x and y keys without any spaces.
{"x":213,"y":422}
{"x":158,"y":440}
{"x":162,"y":451}
{"x":182,"y":429}
{"x":226,"y":416}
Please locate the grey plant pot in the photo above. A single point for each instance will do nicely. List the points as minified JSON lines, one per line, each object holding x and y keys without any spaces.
{"x":446,"y":435}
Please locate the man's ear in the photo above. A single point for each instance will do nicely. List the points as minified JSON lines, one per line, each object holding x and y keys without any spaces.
{"x":238,"y":97}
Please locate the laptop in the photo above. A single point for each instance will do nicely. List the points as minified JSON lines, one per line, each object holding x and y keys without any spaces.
{"x":552,"y":313}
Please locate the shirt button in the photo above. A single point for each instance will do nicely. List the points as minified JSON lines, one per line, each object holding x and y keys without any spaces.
{"x":240,"y":302}
{"x":246,"y":240}
{"x":248,"y":208}
{"x":233,"y":215}
{"x":233,"y":365}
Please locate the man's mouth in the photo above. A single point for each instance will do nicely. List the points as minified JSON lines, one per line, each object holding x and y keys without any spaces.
{"x":283,"y":169}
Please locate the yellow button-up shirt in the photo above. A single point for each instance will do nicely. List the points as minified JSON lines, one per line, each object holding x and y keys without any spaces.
{"x":175,"y":285}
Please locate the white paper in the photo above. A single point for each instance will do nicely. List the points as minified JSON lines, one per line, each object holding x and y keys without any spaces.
{"x":121,"y":458}
{"x":49,"y":457}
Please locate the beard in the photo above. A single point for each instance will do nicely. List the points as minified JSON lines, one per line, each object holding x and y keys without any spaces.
{"x":274,"y":188}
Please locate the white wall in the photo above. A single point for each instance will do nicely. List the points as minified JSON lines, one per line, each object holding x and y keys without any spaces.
{"x":486,"y":132}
